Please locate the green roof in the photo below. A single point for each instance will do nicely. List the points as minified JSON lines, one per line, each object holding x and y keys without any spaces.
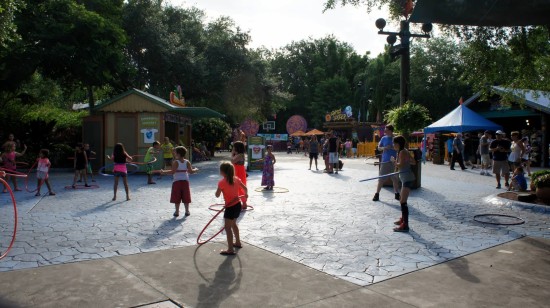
{"x":191,"y":112}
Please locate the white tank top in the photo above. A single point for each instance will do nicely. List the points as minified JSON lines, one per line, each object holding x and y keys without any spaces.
{"x":181,"y":173}
{"x":515,"y":152}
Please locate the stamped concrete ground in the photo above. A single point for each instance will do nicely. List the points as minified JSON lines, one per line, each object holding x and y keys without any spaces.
{"x":326,"y":222}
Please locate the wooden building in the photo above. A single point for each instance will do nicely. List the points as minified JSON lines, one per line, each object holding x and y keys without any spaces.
{"x":137,"y":119}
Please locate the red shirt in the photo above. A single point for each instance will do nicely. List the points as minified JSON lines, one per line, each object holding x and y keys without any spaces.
{"x":230,"y":192}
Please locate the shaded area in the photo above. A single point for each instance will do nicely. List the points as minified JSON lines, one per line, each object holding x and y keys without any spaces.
{"x":482,"y":12}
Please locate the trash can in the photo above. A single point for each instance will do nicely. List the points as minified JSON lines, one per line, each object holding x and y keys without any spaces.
{"x":417,"y":169}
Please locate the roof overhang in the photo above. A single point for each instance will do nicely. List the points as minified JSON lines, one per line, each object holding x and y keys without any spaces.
{"x":498,"y":13}
{"x":197,"y":112}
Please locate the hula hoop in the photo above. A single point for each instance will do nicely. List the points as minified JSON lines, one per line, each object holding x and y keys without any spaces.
{"x":199,"y":241}
{"x":213,"y":207}
{"x":7,"y":186}
{"x":13,"y":173}
{"x":520,"y":222}
{"x":82,"y":187}
{"x":383,"y":176}
{"x":275,"y":190}
{"x":143,"y":163}
{"x":21,"y":163}
{"x":72,"y":158}
{"x":27,"y":180}
{"x":101,"y":170}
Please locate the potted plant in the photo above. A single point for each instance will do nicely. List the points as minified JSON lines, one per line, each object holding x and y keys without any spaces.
{"x":542,"y":185}
{"x":535,"y":175}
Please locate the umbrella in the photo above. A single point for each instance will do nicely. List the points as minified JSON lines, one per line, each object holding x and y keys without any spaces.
{"x":314,"y":132}
{"x":297,"y":133}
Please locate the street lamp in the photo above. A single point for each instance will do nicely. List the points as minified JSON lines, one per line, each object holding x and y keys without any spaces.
{"x":402,"y":50}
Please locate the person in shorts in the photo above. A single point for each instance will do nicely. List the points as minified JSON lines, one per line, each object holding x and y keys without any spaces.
{"x":149,"y":158}
{"x":333,"y":146}
{"x":484,"y":153}
{"x":229,"y":186}
{"x":500,"y":147}
{"x":167,"y":155}
{"x":386,"y":166}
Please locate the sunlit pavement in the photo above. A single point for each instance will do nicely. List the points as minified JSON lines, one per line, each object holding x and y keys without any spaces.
{"x":326,"y":222}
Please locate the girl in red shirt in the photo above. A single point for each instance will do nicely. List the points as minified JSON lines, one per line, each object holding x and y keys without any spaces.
{"x":230,"y":186}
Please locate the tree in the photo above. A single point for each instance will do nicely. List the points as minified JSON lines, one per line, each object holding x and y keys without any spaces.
{"x":211,"y":130}
{"x":408,"y":118}
{"x":67,"y":42}
{"x":437,"y":70}
{"x":8,"y":9}
{"x":320,"y":75}
{"x":396,"y":7}
{"x":382,"y":76}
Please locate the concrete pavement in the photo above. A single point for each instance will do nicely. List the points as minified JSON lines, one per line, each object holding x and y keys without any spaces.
{"x":326,"y":224}
{"x":509,"y":275}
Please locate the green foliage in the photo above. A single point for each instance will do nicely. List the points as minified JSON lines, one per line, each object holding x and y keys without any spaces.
{"x":320,"y":74}
{"x":395,"y":6}
{"x":536,"y":174}
{"x":211,"y":130}
{"x":62,"y":118}
{"x":542,"y":181}
{"x":8,"y":9}
{"x":408,"y":118}
{"x":382,"y":76}
{"x":436,"y":75}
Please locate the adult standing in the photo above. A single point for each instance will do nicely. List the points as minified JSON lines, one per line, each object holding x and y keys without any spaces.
{"x":324,"y":143}
{"x":354,"y":143}
{"x":450,"y":149}
{"x":484,"y":153}
{"x":527,"y":152}
{"x":386,"y":166}
{"x":313,"y":151}
{"x":517,"y":150}
{"x":458,"y":148}
{"x":500,"y":148}
{"x":333,"y":146}
{"x":237,"y":132}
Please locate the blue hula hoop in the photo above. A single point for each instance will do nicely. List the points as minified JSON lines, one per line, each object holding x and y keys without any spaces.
{"x":102,"y":169}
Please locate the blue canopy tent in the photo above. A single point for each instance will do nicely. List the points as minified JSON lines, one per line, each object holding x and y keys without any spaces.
{"x":461,"y":119}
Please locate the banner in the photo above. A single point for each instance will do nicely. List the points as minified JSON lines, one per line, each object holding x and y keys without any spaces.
{"x":274,"y":137}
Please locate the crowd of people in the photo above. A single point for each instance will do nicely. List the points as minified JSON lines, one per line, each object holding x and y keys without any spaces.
{"x":499,"y":156}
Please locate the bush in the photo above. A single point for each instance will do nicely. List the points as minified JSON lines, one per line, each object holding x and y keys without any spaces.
{"x":542,"y":181}
{"x":539,"y":173}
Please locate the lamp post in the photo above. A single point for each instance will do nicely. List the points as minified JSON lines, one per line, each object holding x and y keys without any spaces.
{"x":402,"y":50}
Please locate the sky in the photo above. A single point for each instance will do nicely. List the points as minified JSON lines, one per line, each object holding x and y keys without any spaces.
{"x":277,"y":23}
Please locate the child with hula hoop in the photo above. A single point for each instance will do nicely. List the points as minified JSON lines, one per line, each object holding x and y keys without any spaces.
{"x":42,"y":172}
{"x":230,"y":186}
{"x":80,"y":165}
{"x":120,"y":158}
{"x":237,"y":160}
{"x":151,"y":152}
{"x":181,"y":168}
{"x":89,"y":154}
{"x":8,"y":158}
{"x":406,"y":176}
